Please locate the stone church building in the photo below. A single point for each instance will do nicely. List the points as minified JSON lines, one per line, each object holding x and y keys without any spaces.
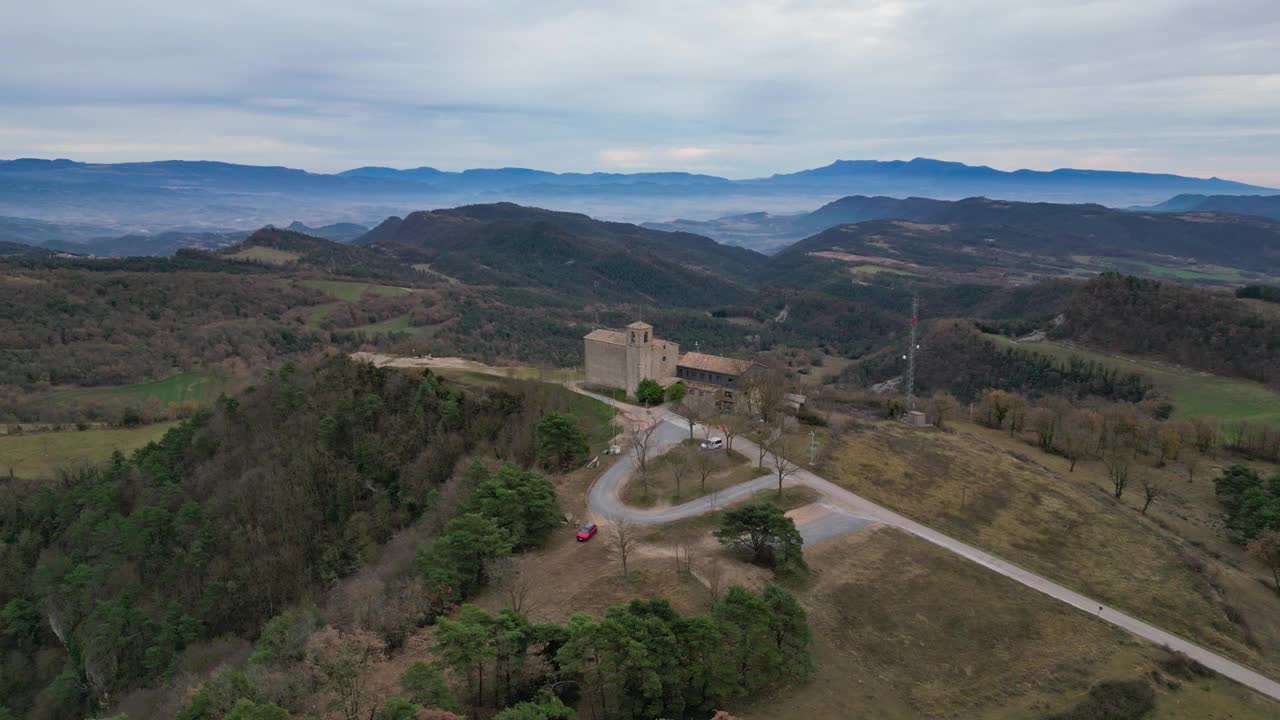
{"x":622,"y":358}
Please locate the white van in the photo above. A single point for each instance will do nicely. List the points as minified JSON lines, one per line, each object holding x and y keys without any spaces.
{"x":713,"y":443}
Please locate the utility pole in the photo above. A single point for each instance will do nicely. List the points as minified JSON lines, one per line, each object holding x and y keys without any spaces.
{"x":911,"y":355}
{"x":813,"y":444}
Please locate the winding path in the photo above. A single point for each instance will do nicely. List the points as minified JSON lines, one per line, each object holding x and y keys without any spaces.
{"x":853,"y":511}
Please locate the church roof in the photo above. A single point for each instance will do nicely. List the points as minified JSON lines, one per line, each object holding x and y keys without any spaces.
{"x":714,"y":363}
{"x":640,"y":325}
{"x":613,"y":337}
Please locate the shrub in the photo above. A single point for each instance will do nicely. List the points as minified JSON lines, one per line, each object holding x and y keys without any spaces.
{"x":1113,"y":700}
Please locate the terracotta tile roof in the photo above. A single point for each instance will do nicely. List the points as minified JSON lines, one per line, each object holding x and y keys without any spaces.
{"x":714,"y":363}
{"x":706,"y":388}
{"x":613,"y":337}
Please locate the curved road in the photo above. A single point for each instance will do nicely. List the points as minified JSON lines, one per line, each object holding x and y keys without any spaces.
{"x":855,"y":512}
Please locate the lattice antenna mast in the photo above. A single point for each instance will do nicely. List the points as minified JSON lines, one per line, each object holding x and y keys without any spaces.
{"x":911,"y":355}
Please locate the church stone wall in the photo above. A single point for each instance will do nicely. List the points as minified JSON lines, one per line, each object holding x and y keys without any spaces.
{"x":606,"y":364}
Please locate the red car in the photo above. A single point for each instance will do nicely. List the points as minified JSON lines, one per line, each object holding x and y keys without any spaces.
{"x":586,"y":532}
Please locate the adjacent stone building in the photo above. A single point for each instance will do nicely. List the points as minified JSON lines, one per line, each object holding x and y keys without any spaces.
{"x":716,"y":376}
{"x":622,"y":358}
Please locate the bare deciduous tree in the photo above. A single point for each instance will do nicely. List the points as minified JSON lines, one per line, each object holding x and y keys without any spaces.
{"x":1266,"y":547}
{"x":695,"y":408}
{"x":731,"y":424}
{"x":642,"y":441}
{"x":1079,"y":435}
{"x":684,"y":544}
{"x":715,"y":582}
{"x":1205,"y":430}
{"x":340,"y":660}
{"x":705,"y":465}
{"x":1117,"y":462}
{"x":680,"y":462}
{"x":623,"y":537}
{"x":942,"y":408}
{"x":1193,"y":463}
{"x":782,"y":467}
{"x":1152,"y":488}
{"x":765,"y":390}
{"x":506,"y":575}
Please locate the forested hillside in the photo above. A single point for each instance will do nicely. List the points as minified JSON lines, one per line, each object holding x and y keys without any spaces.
{"x":995,"y":239}
{"x":112,"y":577}
{"x":73,"y":325}
{"x":294,"y":250}
{"x":962,"y":362}
{"x":1201,"y":329}
{"x":573,"y":255}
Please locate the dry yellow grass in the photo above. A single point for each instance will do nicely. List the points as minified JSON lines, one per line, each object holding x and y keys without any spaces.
{"x":1072,"y":532}
{"x":904,"y":630}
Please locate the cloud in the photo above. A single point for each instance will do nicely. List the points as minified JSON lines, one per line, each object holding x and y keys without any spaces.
{"x":653,"y":157}
{"x":740,"y":88}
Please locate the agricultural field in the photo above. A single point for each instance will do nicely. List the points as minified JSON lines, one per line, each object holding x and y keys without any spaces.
{"x":1196,"y":273}
{"x":349,"y":291}
{"x":39,"y":454}
{"x":198,"y":387}
{"x":264,"y":254}
{"x":1193,"y":393}
{"x":1061,"y":525}
{"x":394,"y":325}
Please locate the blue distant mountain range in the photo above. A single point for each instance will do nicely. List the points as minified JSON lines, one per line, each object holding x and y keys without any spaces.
{"x":202,"y":194}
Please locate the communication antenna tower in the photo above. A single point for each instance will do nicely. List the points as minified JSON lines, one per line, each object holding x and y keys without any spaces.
{"x":911,"y":355}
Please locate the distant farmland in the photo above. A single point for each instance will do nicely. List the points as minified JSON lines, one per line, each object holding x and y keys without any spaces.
{"x":199,"y":387}
{"x":39,"y":454}
{"x":1193,"y":393}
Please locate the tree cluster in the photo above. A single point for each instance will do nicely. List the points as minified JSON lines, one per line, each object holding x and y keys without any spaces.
{"x":1198,"y":328}
{"x":111,"y":572}
{"x":764,"y":532}
{"x":1251,"y":502}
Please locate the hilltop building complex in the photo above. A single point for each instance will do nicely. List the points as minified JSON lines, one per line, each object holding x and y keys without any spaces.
{"x":622,"y":358}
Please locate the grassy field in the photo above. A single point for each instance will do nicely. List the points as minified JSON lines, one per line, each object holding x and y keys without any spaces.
{"x":268,"y":255}
{"x":1192,"y":392}
{"x":1199,"y":273}
{"x":199,"y":387}
{"x":727,"y":468}
{"x":594,"y":417}
{"x":394,"y":325}
{"x":349,"y":291}
{"x":904,"y":630}
{"x":36,"y":455}
{"x":793,"y":496}
{"x":1056,"y":525}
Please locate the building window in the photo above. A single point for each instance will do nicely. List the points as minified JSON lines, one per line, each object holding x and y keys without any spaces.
{"x":728,"y":393}
{"x":646,"y":336}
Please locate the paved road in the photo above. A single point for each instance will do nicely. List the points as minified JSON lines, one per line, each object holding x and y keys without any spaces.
{"x":853,"y":511}
{"x":603,"y":499}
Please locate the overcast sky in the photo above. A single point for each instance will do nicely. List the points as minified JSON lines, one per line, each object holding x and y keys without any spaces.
{"x":740,"y":89}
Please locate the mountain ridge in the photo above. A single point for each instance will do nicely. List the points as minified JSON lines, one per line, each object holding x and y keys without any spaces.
{"x":213,"y":192}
